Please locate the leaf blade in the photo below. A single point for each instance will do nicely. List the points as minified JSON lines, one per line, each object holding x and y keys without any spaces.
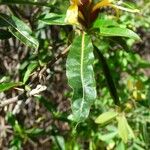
{"x":20,"y":30}
{"x":117,"y":31}
{"x":106,"y":117}
{"x":8,"y":85}
{"x":81,"y":77}
{"x":30,"y":68}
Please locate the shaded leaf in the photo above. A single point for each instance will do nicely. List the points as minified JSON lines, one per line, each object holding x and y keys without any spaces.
{"x":107,"y":73}
{"x":106,"y":117}
{"x":81,"y":76}
{"x":30,"y":69}
{"x":5,"y":34}
{"x":53,"y":19}
{"x":20,"y":30}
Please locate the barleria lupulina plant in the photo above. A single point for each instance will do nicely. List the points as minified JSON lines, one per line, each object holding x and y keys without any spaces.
{"x":79,"y":66}
{"x":80,"y":60}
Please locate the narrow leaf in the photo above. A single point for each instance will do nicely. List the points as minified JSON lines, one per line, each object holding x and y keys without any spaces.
{"x":20,"y":30}
{"x":53,"y":19}
{"x":106,"y":117}
{"x":109,"y":79}
{"x":81,"y":76}
{"x":30,"y":69}
{"x":117,"y":31}
{"x":7,"y":86}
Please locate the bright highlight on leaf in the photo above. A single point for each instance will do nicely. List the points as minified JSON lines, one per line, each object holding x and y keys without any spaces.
{"x":106,"y":117}
{"x":125,"y":131}
{"x":80,"y":75}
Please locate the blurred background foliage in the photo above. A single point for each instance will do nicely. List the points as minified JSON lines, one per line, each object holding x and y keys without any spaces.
{"x":41,"y":122}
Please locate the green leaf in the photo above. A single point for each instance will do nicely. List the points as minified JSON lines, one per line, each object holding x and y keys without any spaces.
{"x":53,"y":19}
{"x":20,"y":30}
{"x":108,"y":76}
{"x":30,"y":69}
{"x":81,"y":76}
{"x":7,"y":86}
{"x":5,"y":34}
{"x":117,"y":31}
{"x":106,"y":117}
{"x":33,"y":132}
{"x":105,"y":23}
{"x":125,"y":131}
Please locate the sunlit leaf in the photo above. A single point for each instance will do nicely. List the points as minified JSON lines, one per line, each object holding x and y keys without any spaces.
{"x":81,"y":77}
{"x":9,"y":85}
{"x":106,"y":117}
{"x":125,"y":131}
{"x":20,"y":30}
{"x":117,"y":31}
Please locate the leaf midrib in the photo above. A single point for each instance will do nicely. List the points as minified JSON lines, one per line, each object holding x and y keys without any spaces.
{"x":17,"y":30}
{"x":81,"y":69}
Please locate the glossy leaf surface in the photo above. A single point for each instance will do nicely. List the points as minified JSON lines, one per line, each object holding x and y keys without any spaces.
{"x":9,"y":85}
{"x":117,"y":31}
{"x":81,"y":77}
{"x":20,"y":30}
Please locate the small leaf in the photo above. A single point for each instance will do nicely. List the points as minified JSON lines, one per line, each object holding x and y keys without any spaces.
{"x":106,"y":117}
{"x":117,"y":31}
{"x":53,"y":19}
{"x":20,"y":30}
{"x":7,"y":86}
{"x":79,"y":69}
{"x":30,"y":69}
{"x":125,"y":131}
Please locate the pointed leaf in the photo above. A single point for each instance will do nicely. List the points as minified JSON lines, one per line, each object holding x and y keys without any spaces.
{"x":53,"y":19}
{"x":20,"y":30}
{"x":108,"y":76}
{"x":7,"y":86}
{"x":30,"y":69}
{"x":81,"y":77}
{"x":106,"y":117}
{"x":117,"y":31}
